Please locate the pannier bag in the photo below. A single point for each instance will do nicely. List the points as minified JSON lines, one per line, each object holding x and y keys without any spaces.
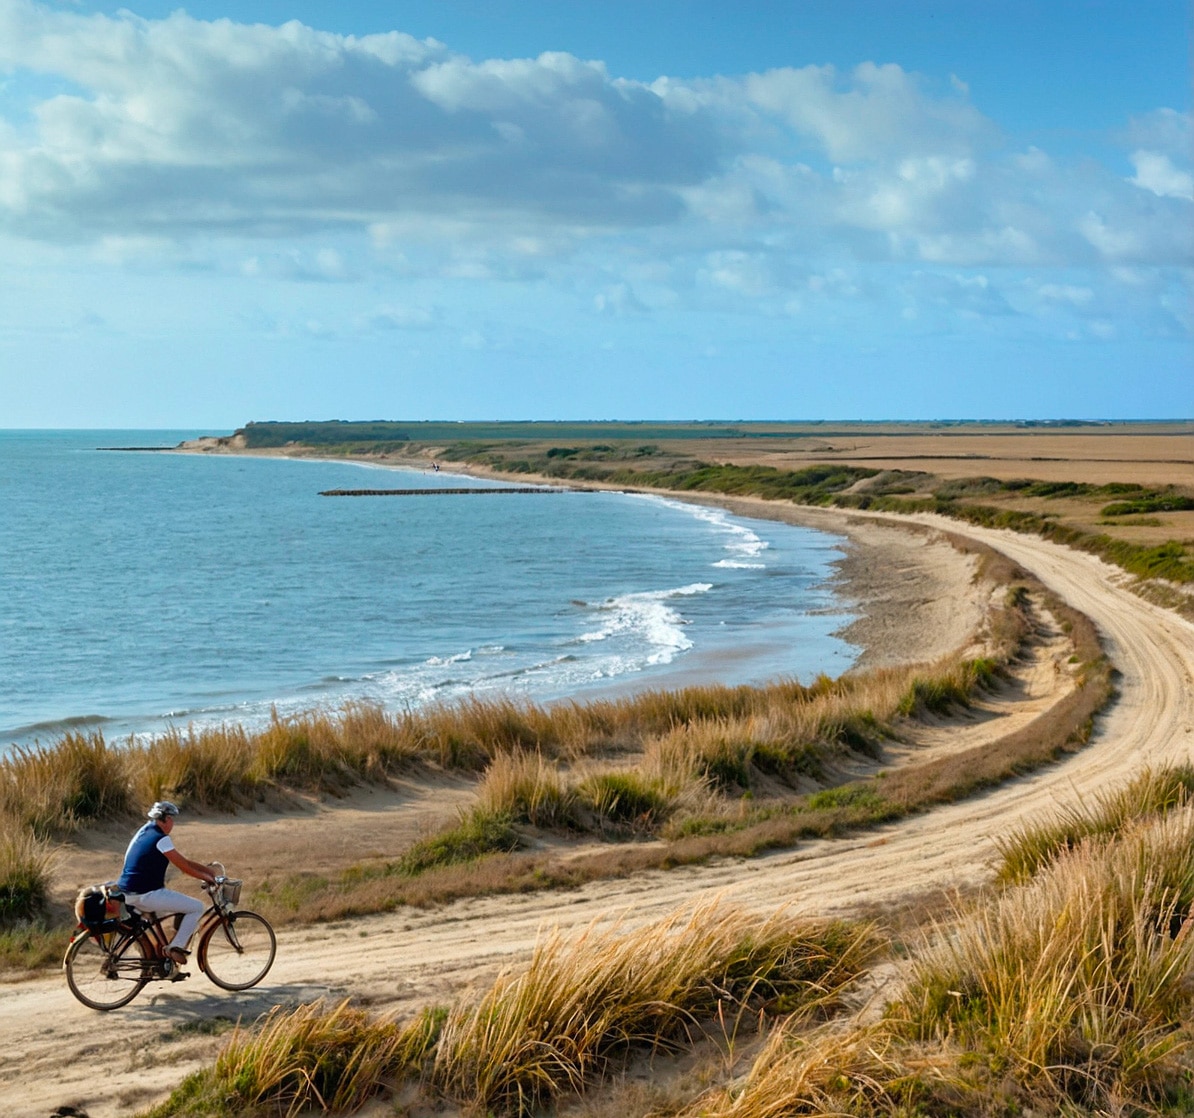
{"x":100,"y":907}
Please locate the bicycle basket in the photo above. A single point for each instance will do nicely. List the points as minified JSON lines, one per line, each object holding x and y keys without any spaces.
{"x":230,"y":892}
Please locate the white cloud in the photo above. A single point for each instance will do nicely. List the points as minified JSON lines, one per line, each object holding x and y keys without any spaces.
{"x":1067,"y":293}
{"x":739,"y":272}
{"x":880,"y":111}
{"x":1156,"y":172}
{"x":176,"y":133}
{"x":1165,"y":130}
{"x":401,"y":318}
{"x":618,"y":300}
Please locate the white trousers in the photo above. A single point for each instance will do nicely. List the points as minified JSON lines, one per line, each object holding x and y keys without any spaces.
{"x":165,"y":902}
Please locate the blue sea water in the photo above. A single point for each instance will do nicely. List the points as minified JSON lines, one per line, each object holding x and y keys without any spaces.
{"x":142,"y":590}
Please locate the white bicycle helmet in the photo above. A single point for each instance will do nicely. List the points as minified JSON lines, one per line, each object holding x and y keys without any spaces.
{"x":161,"y":809}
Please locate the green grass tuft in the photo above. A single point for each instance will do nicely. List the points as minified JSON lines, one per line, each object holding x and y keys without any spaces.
{"x":1033,"y":846}
{"x":477,"y":834}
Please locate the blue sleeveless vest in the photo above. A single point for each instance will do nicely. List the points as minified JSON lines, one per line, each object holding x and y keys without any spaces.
{"x":144,"y":865}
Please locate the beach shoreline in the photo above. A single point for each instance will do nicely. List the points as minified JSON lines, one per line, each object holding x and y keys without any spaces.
{"x":914,"y":593}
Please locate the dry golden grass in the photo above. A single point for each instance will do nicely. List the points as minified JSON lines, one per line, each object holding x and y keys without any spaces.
{"x":555,"y":1025}
{"x":1070,"y":996}
{"x":1073,"y":982}
{"x":1032,"y":846}
{"x":330,"y":1060}
{"x":550,"y":1027}
{"x":55,"y":789}
{"x":527,"y":789}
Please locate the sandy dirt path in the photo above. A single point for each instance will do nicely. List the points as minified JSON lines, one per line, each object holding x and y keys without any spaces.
{"x":54,"y":1052}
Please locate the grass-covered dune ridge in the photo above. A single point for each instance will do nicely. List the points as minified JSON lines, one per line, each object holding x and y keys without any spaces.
{"x":82,"y":778}
{"x":1070,"y":993}
{"x":693,"y":788}
{"x":552,"y":1027}
{"x":47,"y":793}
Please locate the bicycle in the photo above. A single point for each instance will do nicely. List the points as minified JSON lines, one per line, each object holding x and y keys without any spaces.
{"x":109,"y":965}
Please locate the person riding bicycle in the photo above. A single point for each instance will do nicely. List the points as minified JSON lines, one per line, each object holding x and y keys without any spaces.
{"x":143,"y":878}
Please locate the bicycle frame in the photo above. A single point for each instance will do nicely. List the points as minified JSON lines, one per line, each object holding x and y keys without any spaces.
{"x":148,"y":926}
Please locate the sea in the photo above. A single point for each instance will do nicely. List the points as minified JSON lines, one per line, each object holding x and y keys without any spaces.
{"x":141,"y":591}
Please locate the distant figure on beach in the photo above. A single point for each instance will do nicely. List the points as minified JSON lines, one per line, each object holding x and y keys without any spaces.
{"x":435,"y":466}
{"x":143,"y":879}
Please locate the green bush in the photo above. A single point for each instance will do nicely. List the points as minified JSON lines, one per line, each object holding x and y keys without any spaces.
{"x":624,"y":798}
{"x":478,"y":833}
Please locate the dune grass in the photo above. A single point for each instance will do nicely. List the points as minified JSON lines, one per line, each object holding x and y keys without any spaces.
{"x":332,"y":1060}
{"x":526,"y":788}
{"x":31,"y":935}
{"x":55,"y":789}
{"x":1072,"y":984}
{"x":1071,"y":994}
{"x":1068,"y":995}
{"x":1034,"y":845}
{"x":687,"y":790}
{"x":26,"y":863}
{"x":547,"y":1028}
{"x":555,"y":1025}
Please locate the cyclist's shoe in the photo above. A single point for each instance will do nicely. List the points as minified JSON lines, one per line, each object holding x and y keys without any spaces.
{"x":176,"y":955}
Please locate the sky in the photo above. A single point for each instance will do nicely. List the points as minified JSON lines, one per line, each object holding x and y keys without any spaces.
{"x":616,"y":209}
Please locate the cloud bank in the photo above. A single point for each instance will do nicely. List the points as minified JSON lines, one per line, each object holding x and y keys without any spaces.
{"x":158,"y":139}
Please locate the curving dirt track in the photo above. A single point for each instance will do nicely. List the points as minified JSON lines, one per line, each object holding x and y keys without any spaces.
{"x":55,"y":1052}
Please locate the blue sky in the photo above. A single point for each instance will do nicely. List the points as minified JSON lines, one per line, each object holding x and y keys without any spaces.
{"x":671,"y":210}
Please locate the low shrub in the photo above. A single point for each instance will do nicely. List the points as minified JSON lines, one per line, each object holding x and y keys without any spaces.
{"x":624,"y":798}
{"x":478,"y":833}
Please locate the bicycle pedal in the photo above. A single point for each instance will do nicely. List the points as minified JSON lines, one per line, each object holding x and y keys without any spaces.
{"x":179,"y":975}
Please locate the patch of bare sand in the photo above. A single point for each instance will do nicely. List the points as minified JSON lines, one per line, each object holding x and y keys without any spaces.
{"x":914,"y":590}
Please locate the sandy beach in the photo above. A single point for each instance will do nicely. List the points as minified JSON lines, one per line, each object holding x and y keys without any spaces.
{"x":911,"y":588}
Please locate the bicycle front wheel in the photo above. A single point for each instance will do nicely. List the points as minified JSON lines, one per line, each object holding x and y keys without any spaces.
{"x":237,"y":952}
{"x":106,"y":977}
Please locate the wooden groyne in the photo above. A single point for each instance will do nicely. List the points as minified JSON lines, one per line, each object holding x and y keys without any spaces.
{"x":446,"y":492}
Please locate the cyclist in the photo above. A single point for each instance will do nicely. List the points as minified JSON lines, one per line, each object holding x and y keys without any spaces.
{"x":143,"y":879}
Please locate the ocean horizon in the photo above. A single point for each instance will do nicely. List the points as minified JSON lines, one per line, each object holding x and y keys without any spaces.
{"x":143,"y":591}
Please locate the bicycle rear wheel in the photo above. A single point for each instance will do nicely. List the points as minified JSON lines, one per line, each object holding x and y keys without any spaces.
{"x":237,"y":952}
{"x":106,"y":977}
